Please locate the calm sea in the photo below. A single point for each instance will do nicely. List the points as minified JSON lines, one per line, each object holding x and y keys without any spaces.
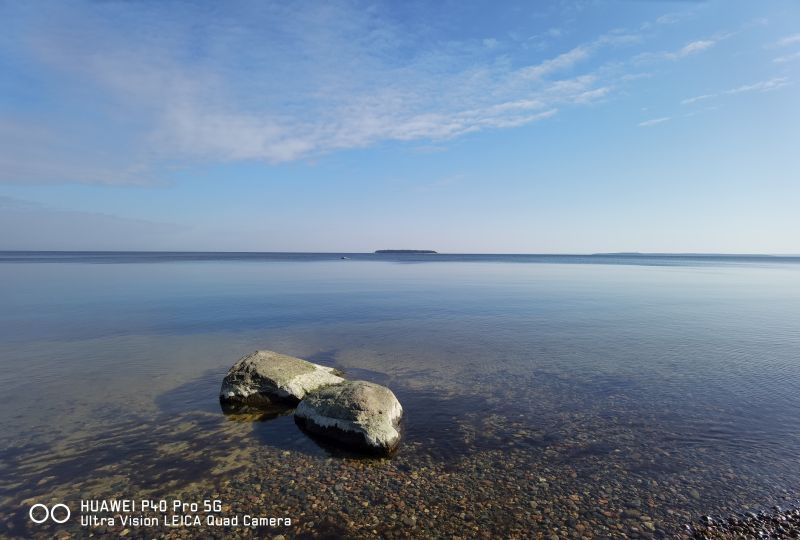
{"x":666,"y":384}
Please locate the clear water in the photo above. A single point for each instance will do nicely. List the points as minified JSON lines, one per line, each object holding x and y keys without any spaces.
{"x":656,"y":374}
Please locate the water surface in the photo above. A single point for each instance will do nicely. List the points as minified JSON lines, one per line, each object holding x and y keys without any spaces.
{"x":593,"y":389}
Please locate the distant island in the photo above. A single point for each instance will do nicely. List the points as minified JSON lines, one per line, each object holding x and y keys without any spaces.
{"x":404,"y":251}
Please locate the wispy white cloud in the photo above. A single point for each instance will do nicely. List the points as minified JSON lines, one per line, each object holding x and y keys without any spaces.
{"x":689,"y":49}
{"x":787,"y":58}
{"x":695,"y":99}
{"x":760,"y":86}
{"x":573,"y":57}
{"x":654,"y":121}
{"x":788,"y":40}
{"x":669,"y":18}
{"x":540,"y":41}
{"x":560,"y":62}
{"x":694,"y":47}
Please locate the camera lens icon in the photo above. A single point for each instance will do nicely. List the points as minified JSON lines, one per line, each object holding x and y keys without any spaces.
{"x":39,"y":513}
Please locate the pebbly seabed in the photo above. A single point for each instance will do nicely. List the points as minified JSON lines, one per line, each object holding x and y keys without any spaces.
{"x":500,"y":477}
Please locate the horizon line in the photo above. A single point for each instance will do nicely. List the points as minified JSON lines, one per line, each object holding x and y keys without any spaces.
{"x":587,"y":254}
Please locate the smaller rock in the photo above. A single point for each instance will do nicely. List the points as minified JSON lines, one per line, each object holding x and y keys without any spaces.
{"x":362,"y":415}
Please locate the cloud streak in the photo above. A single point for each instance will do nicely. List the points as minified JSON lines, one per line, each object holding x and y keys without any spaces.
{"x":695,"y":99}
{"x":690,"y":49}
{"x":654,"y":121}
{"x":760,"y":86}
{"x":788,"y":40}
{"x":787,"y":58}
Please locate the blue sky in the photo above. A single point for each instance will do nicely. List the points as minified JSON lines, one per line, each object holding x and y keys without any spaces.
{"x":547,"y":127}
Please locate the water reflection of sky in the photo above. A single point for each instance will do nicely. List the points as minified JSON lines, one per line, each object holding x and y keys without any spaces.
{"x":684,"y":358}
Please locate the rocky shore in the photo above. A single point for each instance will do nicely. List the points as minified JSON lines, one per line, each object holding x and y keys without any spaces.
{"x":488,"y":495}
{"x":775,"y":523}
{"x":476,"y":470}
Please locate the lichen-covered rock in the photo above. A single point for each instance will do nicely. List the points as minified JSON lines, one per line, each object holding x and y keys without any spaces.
{"x":267,"y":378}
{"x":362,"y":415}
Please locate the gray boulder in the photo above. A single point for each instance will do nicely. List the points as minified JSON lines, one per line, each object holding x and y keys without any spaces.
{"x":362,"y":415}
{"x":267,"y":378}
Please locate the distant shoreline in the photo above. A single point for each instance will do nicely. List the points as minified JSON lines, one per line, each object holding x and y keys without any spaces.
{"x":642,"y":259}
{"x":391,"y":251}
{"x":414,"y":251}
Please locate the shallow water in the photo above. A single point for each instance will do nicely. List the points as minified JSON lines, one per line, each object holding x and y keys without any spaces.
{"x":542,"y":393}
